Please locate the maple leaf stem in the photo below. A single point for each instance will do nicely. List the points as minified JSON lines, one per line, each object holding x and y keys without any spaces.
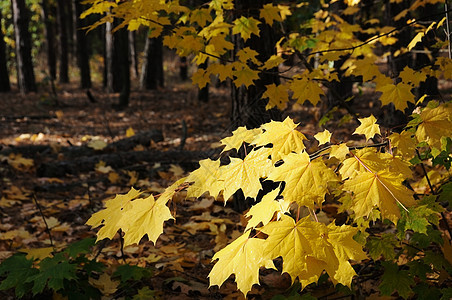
{"x":313,"y":214}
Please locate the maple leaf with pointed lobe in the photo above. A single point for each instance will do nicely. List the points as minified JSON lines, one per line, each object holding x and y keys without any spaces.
{"x":245,"y":76}
{"x":307,"y":248}
{"x":398,"y":94}
{"x":145,"y":217}
{"x":201,"y":16}
{"x":205,"y":179}
{"x":246,"y":26}
{"x":367,"y":159}
{"x":277,"y":95}
{"x":306,"y":89}
{"x":368,"y":127}
{"x":323,"y":137}
{"x":306,"y":181}
{"x":412,"y":77}
{"x":243,"y":257}
{"x":273,"y":62}
{"x":436,"y":123}
{"x":246,"y":54}
{"x":245,"y":174}
{"x":239,"y":136}
{"x":283,"y":136}
{"x":201,"y":78}
{"x":270,"y":13}
{"x":264,"y":210}
{"x":110,"y":216}
{"x":404,"y":142}
{"x":339,"y":151}
{"x":382,"y":189}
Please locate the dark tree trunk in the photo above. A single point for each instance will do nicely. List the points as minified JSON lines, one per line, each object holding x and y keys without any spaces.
{"x":203,"y":94}
{"x":49,"y":33}
{"x":133,"y":54}
{"x":122,"y":44}
{"x":183,"y":68}
{"x":4,"y":75}
{"x":152,"y":69}
{"x":248,"y":109}
{"x":63,"y":42}
{"x":81,"y":46}
{"x":25,"y":72}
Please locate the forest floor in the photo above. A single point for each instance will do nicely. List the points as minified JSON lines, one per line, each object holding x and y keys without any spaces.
{"x":40,"y":137}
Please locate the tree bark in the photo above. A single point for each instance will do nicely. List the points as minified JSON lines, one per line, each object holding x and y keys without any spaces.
{"x":49,"y":33}
{"x":4,"y":75}
{"x":122,"y":50}
{"x":133,"y":54}
{"x":63,"y":42}
{"x":81,"y":46}
{"x":25,"y":72}
{"x":248,"y":109}
{"x":152,"y":76}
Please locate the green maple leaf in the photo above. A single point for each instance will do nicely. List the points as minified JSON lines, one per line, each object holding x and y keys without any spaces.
{"x":383,"y":245}
{"x":126,"y":272}
{"x":17,"y":268}
{"x":52,"y":272}
{"x":246,"y":27}
{"x":394,"y":279}
{"x":80,"y":247}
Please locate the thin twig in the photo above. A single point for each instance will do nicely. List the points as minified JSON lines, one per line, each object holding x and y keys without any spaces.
{"x":45,"y":222}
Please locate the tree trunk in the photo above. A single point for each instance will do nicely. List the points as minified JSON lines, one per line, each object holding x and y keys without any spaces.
{"x":122,"y":50}
{"x":81,"y":46}
{"x":25,"y":72}
{"x":152,"y":69}
{"x":203,"y":94}
{"x":4,"y":75}
{"x":133,"y":54}
{"x":248,"y":109}
{"x":183,"y":68}
{"x":49,"y":33}
{"x":113,"y":58}
{"x":63,"y":42}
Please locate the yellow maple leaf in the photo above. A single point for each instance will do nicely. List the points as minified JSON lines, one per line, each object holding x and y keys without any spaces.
{"x":398,"y":94}
{"x":383,"y":189}
{"x":245,"y":76}
{"x":246,"y":54}
{"x":306,"y":181}
{"x":111,"y":215}
{"x":246,"y":26}
{"x":307,"y":248}
{"x":284,"y":137}
{"x":243,"y":257}
{"x":239,"y":136}
{"x":205,"y":179}
{"x":245,"y":174}
{"x":201,"y":77}
{"x":270,"y":13}
{"x":416,"y":40}
{"x":223,"y":71}
{"x":323,"y":137}
{"x":408,"y":75}
{"x":339,"y":151}
{"x":273,"y":62}
{"x":277,"y":94}
{"x":220,"y":44}
{"x":201,"y":16}
{"x":305,"y":89}
{"x":367,"y":159}
{"x":264,"y":210}
{"x":436,"y":123}
{"x":368,"y":127}
{"x":144,"y":217}
{"x":404,"y":142}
